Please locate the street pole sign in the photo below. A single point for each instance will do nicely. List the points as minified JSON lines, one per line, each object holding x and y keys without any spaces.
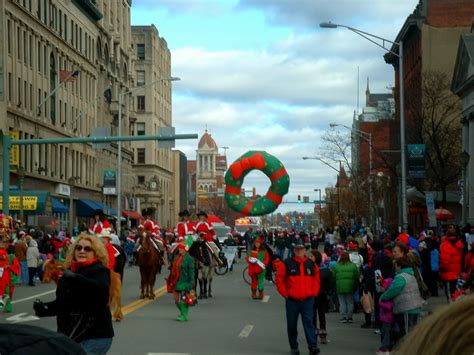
{"x":110,"y":182}
{"x":416,"y":161}
{"x":430,"y":207}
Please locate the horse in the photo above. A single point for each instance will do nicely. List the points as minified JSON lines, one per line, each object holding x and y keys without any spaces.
{"x":206,"y":265}
{"x":150,"y":262}
{"x":53,"y":270}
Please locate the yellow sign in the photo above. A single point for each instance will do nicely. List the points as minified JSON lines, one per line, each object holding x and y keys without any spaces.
{"x":14,"y":151}
{"x":30,"y":203}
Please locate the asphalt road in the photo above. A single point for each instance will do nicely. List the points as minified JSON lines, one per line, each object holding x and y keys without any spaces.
{"x":229,"y":323}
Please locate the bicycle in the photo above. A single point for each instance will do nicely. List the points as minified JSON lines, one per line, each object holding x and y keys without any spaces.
{"x":222,"y":269}
{"x":248,"y":280}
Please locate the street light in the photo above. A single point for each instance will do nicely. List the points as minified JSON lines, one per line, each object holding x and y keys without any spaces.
{"x":71,"y":181}
{"x":320,"y":205}
{"x":370,"y":37}
{"x":322,"y":161}
{"x":368,"y":137}
{"x":119,"y":144}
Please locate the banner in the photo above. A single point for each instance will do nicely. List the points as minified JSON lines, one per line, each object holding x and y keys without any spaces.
{"x":110,"y":182}
{"x":416,"y":161}
{"x":14,"y":151}
{"x":30,"y":203}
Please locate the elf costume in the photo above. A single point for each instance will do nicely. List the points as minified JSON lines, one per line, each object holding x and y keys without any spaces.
{"x":258,"y":259}
{"x":9,"y":274}
{"x":180,"y":281}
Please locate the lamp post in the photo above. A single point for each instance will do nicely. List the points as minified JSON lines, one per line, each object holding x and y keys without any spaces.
{"x":21,"y":179}
{"x":71,"y":182}
{"x":368,"y":137}
{"x":372,"y":38}
{"x":119,"y":144}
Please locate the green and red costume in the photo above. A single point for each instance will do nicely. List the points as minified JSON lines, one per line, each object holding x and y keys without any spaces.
{"x":9,"y":275}
{"x":257,"y":259}
{"x":180,"y":282}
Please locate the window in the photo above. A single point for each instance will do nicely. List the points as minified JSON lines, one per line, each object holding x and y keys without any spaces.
{"x":10,"y":87}
{"x":25,"y":47}
{"x":141,"y":103}
{"x":38,"y":54}
{"x":141,"y":51}
{"x":141,"y":156}
{"x":31,"y":51}
{"x":140,"y":128}
{"x":140,"y":77}
{"x":8,"y":37}
{"x":19,"y":93}
{"x":18,"y":43}
{"x":141,"y":179}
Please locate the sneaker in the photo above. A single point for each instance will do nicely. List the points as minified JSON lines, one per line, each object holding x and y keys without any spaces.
{"x":382,"y":352}
{"x":349,"y":320}
{"x":344,"y":320}
{"x":377,"y":331}
{"x":314,"y":351}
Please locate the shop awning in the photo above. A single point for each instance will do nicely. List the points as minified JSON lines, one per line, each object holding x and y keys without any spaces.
{"x":34,"y":202}
{"x":86,"y":208}
{"x":132,"y":214}
{"x":58,"y":207}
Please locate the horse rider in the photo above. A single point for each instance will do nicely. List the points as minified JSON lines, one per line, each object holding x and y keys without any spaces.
{"x":207,"y":233}
{"x":99,"y":223}
{"x":185,"y":227}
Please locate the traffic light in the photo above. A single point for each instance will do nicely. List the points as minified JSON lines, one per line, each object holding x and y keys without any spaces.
{"x":299,"y":198}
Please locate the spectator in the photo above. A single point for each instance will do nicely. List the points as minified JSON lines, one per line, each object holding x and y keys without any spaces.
{"x":347,"y":280}
{"x":321,"y":301}
{"x":21,"y":248}
{"x":450,"y":260}
{"x":297,"y":281}
{"x":32,"y":259}
{"x":386,"y":320}
{"x":383,"y":269}
{"x":82,"y":296}
{"x":406,"y":297}
{"x":280,"y":245}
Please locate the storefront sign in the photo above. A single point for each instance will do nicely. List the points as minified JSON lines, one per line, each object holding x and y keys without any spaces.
{"x":30,"y":203}
{"x":110,"y":182}
{"x":14,"y":151}
{"x":64,"y":190}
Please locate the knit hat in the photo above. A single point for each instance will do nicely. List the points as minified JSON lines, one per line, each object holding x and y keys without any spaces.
{"x":352,"y":246}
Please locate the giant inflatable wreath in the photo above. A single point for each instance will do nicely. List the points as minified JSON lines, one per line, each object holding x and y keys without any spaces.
{"x":270,"y":166}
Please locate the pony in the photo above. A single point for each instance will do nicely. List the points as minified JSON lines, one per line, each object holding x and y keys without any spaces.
{"x":53,"y":270}
{"x":150,"y":261}
{"x":206,"y":265}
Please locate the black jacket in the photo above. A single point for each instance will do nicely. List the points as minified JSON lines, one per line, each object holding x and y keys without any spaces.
{"x":383,"y":263}
{"x":327,"y":282}
{"x":81,"y":304}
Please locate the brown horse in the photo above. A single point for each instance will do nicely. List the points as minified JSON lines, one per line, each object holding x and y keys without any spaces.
{"x":150,"y":260}
{"x":53,"y":270}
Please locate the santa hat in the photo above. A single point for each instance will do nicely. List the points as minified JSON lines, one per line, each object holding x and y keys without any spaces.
{"x":183,"y":246}
{"x":105,"y":233}
{"x":352,"y":246}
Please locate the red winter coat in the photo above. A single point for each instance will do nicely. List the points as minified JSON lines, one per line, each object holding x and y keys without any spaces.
{"x":298,"y":278}
{"x":469,"y":262}
{"x":450,"y":258}
{"x":206,"y":231}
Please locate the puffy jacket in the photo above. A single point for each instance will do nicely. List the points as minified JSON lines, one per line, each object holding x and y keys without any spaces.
{"x":298,"y":278}
{"x":450,"y":258}
{"x":347,"y":277}
{"x":469,"y":261}
{"x":32,"y":254}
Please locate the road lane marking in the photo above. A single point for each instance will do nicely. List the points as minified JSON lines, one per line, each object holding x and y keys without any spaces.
{"x":32,"y":297}
{"x":246,"y":331}
{"x":265,"y":299}
{"x":135,"y":305}
{"x":21,"y":317}
{"x":169,"y":354}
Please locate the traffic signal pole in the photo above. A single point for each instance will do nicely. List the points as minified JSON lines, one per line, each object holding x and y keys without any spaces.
{"x":7,"y":142}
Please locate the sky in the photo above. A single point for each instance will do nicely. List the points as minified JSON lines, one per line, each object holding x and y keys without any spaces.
{"x":262,"y":75}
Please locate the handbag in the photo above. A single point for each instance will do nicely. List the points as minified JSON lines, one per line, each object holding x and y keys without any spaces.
{"x":367,"y":302}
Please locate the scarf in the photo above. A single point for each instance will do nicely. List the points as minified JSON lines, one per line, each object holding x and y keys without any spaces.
{"x":76,"y":265}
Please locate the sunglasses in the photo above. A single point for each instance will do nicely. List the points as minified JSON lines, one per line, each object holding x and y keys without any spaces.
{"x":87,"y":248}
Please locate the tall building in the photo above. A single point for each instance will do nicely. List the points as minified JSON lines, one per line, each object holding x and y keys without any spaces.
{"x":153,"y":165}
{"x":62,"y":66}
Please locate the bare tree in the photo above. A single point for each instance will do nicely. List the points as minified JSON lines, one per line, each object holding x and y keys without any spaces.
{"x":437,"y":123}
{"x":337,"y":147}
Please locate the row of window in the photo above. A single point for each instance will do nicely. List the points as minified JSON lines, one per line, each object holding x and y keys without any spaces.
{"x":58,"y":161}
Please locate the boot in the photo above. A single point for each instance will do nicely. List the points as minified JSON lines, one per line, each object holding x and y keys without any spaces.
{"x":260,"y":294}
{"x":323,"y":336}
{"x":254,"y":294}
{"x":181,"y":317}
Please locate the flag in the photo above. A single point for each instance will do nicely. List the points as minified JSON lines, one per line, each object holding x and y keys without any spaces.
{"x":68,"y":76}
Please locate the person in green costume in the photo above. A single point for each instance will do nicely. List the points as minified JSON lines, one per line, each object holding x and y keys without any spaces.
{"x":180,"y":281}
{"x":257,"y":259}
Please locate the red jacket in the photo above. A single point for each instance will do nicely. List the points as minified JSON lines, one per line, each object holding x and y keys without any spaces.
{"x":298,"y":278}
{"x":450,"y":258}
{"x":207,"y":231}
{"x":469,"y":262}
{"x":185,"y":228}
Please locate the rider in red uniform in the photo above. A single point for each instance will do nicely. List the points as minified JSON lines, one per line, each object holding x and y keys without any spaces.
{"x":204,"y":229}
{"x":100,"y":223}
{"x":185,"y":227}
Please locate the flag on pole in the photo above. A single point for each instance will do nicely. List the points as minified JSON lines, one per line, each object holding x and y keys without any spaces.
{"x":68,"y":76}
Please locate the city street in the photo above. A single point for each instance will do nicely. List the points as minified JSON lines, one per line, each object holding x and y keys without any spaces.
{"x":229,"y":323}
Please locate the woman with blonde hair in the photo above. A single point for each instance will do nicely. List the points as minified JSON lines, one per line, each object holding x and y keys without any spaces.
{"x":82,"y":295}
{"x":449,"y":330}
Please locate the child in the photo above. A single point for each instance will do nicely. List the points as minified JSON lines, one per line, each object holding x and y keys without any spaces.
{"x":258,"y":259}
{"x":321,"y":301}
{"x":386,"y":318}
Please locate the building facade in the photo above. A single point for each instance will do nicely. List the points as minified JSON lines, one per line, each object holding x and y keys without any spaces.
{"x":153,"y":163}
{"x":63,"y":66}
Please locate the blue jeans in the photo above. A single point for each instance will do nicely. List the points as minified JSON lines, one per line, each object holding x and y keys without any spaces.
{"x":24,"y":272}
{"x":346,"y":305}
{"x":280,"y":253}
{"x":293,"y":309}
{"x":386,"y":336}
{"x":97,"y":346}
